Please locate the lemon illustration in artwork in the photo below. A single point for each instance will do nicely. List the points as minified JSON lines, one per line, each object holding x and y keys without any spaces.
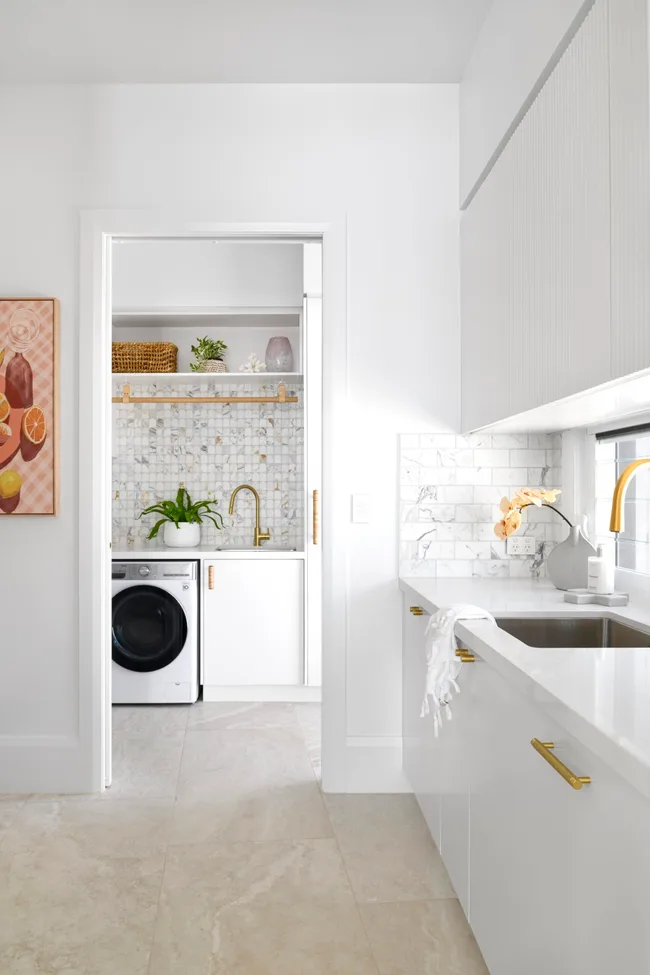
{"x":2,"y":356}
{"x":10,"y":484}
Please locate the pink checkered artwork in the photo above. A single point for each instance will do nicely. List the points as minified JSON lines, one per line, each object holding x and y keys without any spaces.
{"x":29,"y":360}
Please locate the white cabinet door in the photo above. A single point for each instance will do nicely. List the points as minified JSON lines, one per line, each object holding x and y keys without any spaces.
{"x":521,"y":819}
{"x":455,"y":743}
{"x":421,"y":750}
{"x":608,"y":871}
{"x":535,"y":247}
{"x":560,"y":878}
{"x":253,"y":626}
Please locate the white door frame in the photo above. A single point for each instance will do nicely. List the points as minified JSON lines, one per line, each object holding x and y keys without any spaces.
{"x":98,"y":228}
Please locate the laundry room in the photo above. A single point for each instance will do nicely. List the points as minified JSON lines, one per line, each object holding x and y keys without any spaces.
{"x":216,"y":433}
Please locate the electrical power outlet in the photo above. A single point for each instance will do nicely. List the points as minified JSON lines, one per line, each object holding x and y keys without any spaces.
{"x":520,"y":545}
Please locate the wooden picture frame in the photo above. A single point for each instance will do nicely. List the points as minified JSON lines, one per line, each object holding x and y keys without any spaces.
{"x":29,"y":406}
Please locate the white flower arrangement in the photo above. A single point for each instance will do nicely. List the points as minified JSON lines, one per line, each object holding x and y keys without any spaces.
{"x":253,"y":364}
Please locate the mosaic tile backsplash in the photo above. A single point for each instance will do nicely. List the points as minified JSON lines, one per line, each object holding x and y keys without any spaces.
{"x":450,"y":489}
{"x":211,"y":449}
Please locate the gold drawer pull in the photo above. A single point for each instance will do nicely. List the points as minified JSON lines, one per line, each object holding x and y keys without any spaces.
{"x":465,"y":656}
{"x":543,"y":748}
{"x":210,"y":577}
{"x":417,"y":610}
{"x":316,"y":518}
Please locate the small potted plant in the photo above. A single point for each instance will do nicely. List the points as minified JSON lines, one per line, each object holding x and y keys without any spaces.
{"x":182,"y":519}
{"x":209,"y":355}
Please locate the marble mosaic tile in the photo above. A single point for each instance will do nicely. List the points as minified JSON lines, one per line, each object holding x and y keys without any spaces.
{"x":450,"y":489}
{"x":210,"y":449}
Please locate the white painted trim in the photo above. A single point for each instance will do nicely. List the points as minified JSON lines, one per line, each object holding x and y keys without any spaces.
{"x":98,"y":227}
{"x":291,"y":694}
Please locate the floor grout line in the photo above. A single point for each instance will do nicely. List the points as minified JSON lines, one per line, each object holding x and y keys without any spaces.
{"x":167,"y":846}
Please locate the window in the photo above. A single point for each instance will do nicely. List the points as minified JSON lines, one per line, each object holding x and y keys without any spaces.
{"x":614,"y":451}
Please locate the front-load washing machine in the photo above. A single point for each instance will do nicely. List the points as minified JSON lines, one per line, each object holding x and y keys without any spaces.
{"x":155,"y":633}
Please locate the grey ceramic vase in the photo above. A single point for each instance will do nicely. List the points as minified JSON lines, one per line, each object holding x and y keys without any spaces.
{"x":279,"y":354}
{"x":566,"y":566}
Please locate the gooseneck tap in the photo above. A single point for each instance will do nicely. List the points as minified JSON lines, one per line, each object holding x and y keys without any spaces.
{"x":616,"y":520}
{"x":260,"y":536}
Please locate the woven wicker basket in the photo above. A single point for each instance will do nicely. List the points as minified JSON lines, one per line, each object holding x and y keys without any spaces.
{"x":144,"y":357}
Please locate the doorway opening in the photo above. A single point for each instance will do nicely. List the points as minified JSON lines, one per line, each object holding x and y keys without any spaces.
{"x":215,"y":469}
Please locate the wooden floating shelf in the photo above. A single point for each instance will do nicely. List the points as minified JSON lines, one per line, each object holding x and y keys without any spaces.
{"x":127,"y":399}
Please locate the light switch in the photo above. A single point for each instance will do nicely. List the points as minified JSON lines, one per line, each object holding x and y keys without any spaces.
{"x":361,"y":513}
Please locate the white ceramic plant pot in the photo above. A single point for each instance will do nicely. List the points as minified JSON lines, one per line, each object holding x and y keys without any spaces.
{"x":185,"y":536}
{"x":213,"y":365}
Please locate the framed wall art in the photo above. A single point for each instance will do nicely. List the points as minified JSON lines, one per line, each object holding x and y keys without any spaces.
{"x":29,"y":406}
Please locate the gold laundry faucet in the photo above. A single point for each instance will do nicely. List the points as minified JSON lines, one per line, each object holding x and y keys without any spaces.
{"x":616,"y":520}
{"x":260,"y":536}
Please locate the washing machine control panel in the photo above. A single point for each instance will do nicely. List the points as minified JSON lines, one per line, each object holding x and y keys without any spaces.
{"x":155,"y":571}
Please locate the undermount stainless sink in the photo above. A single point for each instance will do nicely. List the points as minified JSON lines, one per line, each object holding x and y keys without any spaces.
{"x":260,"y":548}
{"x":581,"y":632}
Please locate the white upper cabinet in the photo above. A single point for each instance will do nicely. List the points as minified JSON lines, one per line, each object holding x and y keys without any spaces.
{"x":555,"y":247}
{"x":194,"y":273}
{"x":630,"y":186}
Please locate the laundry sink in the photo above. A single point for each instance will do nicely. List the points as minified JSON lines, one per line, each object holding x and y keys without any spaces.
{"x":584,"y":632}
{"x":261,"y":548}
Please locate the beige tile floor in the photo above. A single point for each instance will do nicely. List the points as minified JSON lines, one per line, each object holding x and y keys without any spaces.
{"x":215,"y":853}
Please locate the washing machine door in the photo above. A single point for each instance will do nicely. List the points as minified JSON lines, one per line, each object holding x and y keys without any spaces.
{"x":149,"y":628}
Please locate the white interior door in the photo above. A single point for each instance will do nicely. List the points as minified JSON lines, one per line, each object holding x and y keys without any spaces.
{"x":106,"y":582}
{"x":313,"y":370}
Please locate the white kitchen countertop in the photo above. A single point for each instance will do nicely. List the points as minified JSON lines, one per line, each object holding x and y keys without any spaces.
{"x":601,"y":696}
{"x":155,"y":550}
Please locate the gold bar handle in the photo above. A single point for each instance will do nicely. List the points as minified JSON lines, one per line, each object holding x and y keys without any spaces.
{"x":543,"y":748}
{"x":210,"y":577}
{"x":416,"y":610}
{"x":316,"y":517}
{"x":465,"y":656}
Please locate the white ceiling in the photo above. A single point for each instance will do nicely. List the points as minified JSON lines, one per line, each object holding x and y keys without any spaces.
{"x":237,"y":40}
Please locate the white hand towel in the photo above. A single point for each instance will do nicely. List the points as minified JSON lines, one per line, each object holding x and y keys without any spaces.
{"x":443,"y":666}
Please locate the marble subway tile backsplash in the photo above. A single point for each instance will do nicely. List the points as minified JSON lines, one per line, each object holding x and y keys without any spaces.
{"x":210,"y":449}
{"x":450,"y":490}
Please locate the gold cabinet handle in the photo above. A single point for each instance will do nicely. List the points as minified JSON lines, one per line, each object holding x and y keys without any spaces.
{"x":416,"y":610}
{"x":543,"y":748}
{"x":316,"y":517}
{"x":465,"y":656}
{"x":210,"y":577}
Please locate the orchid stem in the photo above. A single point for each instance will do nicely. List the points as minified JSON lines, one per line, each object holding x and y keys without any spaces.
{"x":545,"y":504}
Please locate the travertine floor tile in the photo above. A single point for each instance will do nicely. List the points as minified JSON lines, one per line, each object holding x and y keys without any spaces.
{"x":247,"y":785}
{"x":224,"y":716}
{"x":269,"y":939}
{"x":387,"y":848}
{"x":55,"y":897}
{"x":145,"y":767}
{"x":95,"y":826}
{"x":309,"y":719}
{"x":150,"y":720}
{"x":422,"y":938}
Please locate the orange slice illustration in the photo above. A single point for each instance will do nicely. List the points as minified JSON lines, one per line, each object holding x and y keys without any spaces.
{"x":5,"y":432}
{"x":34,"y":426}
{"x":5,"y":409}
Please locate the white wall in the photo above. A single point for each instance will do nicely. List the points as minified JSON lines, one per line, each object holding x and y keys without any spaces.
{"x":517,"y":45}
{"x":385,"y":157}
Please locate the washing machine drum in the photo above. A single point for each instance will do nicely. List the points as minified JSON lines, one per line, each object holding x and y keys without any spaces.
{"x":149,"y":628}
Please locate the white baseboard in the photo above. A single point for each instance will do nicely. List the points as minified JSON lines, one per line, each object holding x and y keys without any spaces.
{"x":276,"y":694}
{"x":374,"y":765}
{"x":44,"y":764}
